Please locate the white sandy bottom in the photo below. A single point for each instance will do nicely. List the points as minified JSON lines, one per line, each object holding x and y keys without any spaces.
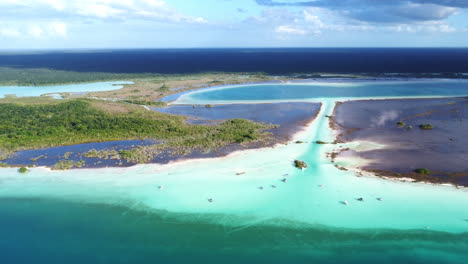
{"x":313,"y":196}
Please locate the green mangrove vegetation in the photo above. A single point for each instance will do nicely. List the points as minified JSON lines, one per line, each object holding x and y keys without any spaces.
{"x":68,"y":164}
{"x":81,"y":121}
{"x":38,"y":76}
{"x":22,"y":170}
{"x":426,"y":126}
{"x":300,"y":164}
{"x":423,"y":171}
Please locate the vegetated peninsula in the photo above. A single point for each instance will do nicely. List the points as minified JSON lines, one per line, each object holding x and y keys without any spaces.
{"x":80,"y":120}
{"x":118,"y":115}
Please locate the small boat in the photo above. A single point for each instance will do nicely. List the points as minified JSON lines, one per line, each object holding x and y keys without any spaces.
{"x":240,"y":173}
{"x":210,"y":200}
{"x":427,"y":227}
{"x":284,"y":180}
{"x":379,"y":199}
{"x":360,"y":199}
{"x":261,"y":187}
{"x":274,"y":186}
{"x":160,"y":187}
{"x":322,"y":186}
{"x":345,"y":202}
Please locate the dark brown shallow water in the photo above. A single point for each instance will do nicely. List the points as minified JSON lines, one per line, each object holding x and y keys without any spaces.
{"x":443,"y":149}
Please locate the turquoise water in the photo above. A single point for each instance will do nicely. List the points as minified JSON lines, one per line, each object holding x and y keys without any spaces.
{"x":359,"y":89}
{"x":120,"y":215}
{"x":51,"y":231}
{"x":22,"y":91}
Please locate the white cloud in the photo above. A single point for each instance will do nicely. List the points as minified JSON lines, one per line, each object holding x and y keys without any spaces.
{"x":97,"y":9}
{"x":35,"y":31}
{"x":288,"y":29}
{"x":9,"y":33}
{"x":58,"y":29}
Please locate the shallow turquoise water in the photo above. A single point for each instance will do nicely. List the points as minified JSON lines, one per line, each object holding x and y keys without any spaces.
{"x":120,"y":216}
{"x":359,"y":89}
{"x":21,"y":91}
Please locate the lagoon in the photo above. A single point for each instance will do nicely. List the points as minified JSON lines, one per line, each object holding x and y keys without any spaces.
{"x":23,"y":91}
{"x":123,"y":214}
{"x":338,"y":89}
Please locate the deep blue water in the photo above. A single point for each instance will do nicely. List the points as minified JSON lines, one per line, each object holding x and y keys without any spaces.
{"x":272,"y":61}
{"x":51,"y":231}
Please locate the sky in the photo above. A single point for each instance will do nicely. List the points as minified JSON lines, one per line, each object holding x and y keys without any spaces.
{"x":102,"y":24}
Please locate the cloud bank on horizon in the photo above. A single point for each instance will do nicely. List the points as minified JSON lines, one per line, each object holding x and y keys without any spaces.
{"x":50,"y":24}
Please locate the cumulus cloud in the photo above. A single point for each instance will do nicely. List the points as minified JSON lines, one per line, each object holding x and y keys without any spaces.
{"x":34,"y":30}
{"x":288,"y":29}
{"x":58,"y":29}
{"x":320,"y":20}
{"x":97,"y":9}
{"x":383,"y":11}
{"x":9,"y":33}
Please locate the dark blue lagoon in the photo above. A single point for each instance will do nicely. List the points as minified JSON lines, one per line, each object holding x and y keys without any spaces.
{"x":359,"y":89}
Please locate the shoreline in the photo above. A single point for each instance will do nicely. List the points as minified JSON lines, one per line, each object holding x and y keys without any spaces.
{"x":300,"y":134}
{"x":411,"y":176}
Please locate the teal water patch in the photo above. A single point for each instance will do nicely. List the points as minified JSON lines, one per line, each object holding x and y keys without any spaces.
{"x":52,"y":231}
{"x":358,"y":89}
{"x":22,"y":91}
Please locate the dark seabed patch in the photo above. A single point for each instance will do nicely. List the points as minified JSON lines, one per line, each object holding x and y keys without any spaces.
{"x":51,"y":231}
{"x":396,"y":123}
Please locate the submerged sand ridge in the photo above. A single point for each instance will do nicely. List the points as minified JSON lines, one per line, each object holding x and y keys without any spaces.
{"x":320,"y":195}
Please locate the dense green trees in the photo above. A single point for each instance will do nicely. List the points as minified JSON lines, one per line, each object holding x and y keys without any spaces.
{"x":37,"y":77}
{"x":78,"y":121}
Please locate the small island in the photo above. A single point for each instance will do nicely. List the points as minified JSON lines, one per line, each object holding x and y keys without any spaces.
{"x":426,"y":127}
{"x":300,"y":164}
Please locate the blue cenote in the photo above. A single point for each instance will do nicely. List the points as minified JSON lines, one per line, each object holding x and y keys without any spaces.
{"x":119,"y":215}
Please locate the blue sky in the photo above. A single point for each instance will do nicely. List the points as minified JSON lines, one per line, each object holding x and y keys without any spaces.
{"x":61,"y":24}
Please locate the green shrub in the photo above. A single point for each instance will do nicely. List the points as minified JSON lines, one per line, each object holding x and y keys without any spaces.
{"x":300,"y":164}
{"x":23,"y":170}
{"x":422,"y":171}
{"x":401,"y":124}
{"x":426,"y":126}
{"x":320,"y":142}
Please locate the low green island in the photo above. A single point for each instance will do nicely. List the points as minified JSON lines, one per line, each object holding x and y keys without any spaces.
{"x":300,"y":164}
{"x":426,"y":127}
{"x":75,"y":121}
